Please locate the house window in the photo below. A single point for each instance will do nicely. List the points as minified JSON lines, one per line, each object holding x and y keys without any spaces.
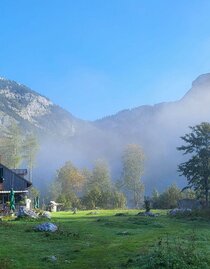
{"x":1,"y":179}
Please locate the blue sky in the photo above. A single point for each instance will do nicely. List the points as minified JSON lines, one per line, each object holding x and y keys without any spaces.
{"x":96,"y":57}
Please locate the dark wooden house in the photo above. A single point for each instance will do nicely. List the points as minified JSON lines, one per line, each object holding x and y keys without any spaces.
{"x":13,"y":179}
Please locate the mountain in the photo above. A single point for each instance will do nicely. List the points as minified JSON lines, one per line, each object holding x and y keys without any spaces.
{"x":34,"y":111}
{"x":55,"y":128}
{"x":64,"y":137}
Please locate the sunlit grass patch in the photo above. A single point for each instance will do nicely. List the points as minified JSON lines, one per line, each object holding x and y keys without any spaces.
{"x":102,"y":240}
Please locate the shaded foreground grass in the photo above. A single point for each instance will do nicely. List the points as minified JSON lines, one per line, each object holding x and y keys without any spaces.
{"x":99,"y":241}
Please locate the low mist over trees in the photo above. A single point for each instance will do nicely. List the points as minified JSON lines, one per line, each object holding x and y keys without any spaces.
{"x":86,"y":189}
{"x":95,"y":188}
{"x":98,"y":187}
{"x":197,"y":168}
{"x":11,"y":146}
{"x":68,"y":183}
{"x":133,"y":167}
{"x":100,"y":177}
{"x":30,"y":148}
{"x":17,"y":147}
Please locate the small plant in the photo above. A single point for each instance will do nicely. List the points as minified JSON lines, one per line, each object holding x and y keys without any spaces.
{"x":147,"y":204}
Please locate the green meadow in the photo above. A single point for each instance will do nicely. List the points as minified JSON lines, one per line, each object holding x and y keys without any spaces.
{"x":97,"y":239}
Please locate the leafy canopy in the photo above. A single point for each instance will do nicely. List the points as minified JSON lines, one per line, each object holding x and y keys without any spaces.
{"x":133,"y":167}
{"x":197,"y":168}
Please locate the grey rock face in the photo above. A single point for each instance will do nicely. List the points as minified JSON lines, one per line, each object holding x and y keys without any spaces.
{"x":33,"y":111}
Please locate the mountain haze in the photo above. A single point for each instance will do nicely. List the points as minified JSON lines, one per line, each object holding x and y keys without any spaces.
{"x":158,"y":129}
{"x":64,"y":137}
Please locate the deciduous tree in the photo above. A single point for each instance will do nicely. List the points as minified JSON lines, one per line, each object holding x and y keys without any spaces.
{"x":133,"y":167}
{"x":69,"y":182}
{"x":30,"y":148}
{"x":11,"y":143}
{"x":197,"y":168}
{"x":100,"y":191}
{"x":100,"y":176}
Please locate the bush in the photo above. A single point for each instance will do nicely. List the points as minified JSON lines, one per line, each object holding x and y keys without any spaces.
{"x":173,"y":254}
{"x":104,"y":199}
{"x":168,"y":199}
{"x":69,"y":201}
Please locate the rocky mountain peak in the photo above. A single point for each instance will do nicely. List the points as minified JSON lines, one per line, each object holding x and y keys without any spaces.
{"x":23,"y":102}
{"x":200,"y":90}
{"x":202,"y":80}
{"x":33,"y":111}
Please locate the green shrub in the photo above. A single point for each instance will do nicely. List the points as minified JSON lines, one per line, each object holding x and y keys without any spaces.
{"x":103,"y":199}
{"x":167,"y":199}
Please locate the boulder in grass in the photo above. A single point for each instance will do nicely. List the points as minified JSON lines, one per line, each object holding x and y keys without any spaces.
{"x":50,"y":258}
{"x":24,"y":212}
{"x":150,"y":214}
{"x":180,"y":211}
{"x":46,"y":214}
{"x":46,"y":227}
{"x":147,"y":214}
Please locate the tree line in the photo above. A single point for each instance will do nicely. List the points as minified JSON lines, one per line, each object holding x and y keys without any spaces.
{"x":170,"y":197}
{"x":91,"y":189}
{"x":95,"y":188}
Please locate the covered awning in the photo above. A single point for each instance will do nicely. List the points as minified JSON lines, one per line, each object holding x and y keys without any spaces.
{"x":25,"y":191}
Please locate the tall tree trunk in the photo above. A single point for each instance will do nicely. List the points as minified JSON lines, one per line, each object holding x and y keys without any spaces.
{"x":206,"y":192}
{"x":134,"y":198}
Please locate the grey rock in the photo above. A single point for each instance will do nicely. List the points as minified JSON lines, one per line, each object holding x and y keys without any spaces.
{"x":50,"y":258}
{"x":178,"y":211}
{"x":46,"y":227}
{"x":24,"y":212}
{"x":53,"y":258}
{"x":46,"y":214}
{"x":147,"y":214}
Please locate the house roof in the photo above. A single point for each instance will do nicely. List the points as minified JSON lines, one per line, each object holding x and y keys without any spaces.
{"x":17,"y":176}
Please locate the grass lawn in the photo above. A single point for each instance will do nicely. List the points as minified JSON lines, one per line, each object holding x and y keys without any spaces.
{"x":93,"y":241}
